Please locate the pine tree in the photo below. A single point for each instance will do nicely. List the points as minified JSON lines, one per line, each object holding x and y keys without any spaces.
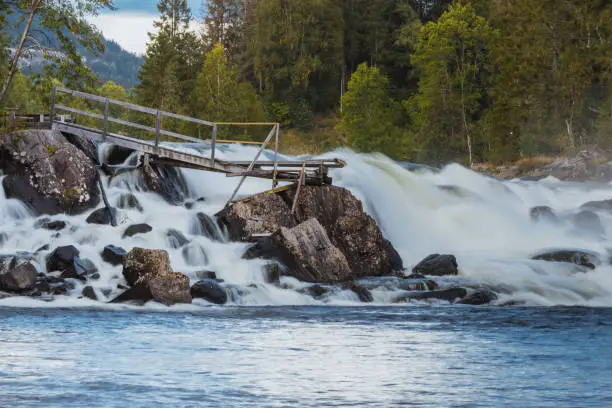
{"x":224,"y":24}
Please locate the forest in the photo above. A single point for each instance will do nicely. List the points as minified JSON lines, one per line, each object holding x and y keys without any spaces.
{"x":429,"y":81}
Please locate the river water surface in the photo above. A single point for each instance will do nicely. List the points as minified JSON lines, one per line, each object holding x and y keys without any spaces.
{"x":439,"y":356}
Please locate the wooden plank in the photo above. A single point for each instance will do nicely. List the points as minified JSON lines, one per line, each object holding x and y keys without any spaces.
{"x":187,"y":118}
{"x":102,"y":99}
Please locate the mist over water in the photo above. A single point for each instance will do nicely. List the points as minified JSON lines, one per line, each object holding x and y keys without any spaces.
{"x":484,"y":222}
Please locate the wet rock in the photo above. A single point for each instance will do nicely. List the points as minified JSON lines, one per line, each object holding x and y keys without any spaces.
{"x":114,"y":255}
{"x":176,"y":239}
{"x":395,"y":260}
{"x":167,"y":181}
{"x":588,"y":222}
{"x":80,"y":269}
{"x":140,"y":262}
{"x":316,"y":291}
{"x":206,"y":275}
{"x":129,"y":202}
{"x":102,"y":216}
{"x":194,"y":255}
{"x":437,"y":265}
{"x":543,"y":213}
{"x":306,"y":252}
{"x":62,"y":258}
{"x":581,"y":258}
{"x":83,"y":144}
{"x":115,"y":155}
{"x":419,"y":283}
{"x":167,"y":289}
{"x":48,"y":224}
{"x":16,"y":275}
{"x":89,"y":293}
{"x":449,"y":295}
{"x":210,"y":291}
{"x":137,"y":229}
{"x":48,"y":173}
{"x":3,"y":238}
{"x":272,"y":273}
{"x":42,"y":248}
{"x":480,"y":297}
{"x":206,"y":226}
{"x":365,"y":296}
{"x":603,"y":205}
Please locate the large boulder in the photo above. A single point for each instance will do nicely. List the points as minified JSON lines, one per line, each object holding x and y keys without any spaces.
{"x":306,"y":252}
{"x":150,"y":276}
{"x":346,"y":226}
{"x":437,"y":265}
{"x":62,"y":258}
{"x":16,"y":275}
{"x":47,"y":172}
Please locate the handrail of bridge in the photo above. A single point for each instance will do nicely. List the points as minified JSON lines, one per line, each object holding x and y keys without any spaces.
{"x":159,"y":114}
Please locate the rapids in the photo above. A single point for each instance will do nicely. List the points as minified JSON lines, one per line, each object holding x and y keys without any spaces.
{"x":483,"y":221}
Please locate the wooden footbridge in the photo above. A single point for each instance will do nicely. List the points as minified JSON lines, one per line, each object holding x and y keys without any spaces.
{"x":178,"y":152}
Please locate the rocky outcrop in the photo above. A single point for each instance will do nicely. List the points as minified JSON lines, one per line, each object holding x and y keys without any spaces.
{"x":47,"y":172}
{"x":437,"y":265}
{"x":306,"y":252}
{"x":150,"y":276}
{"x":328,"y":222}
{"x":16,"y":275}
{"x":582,"y":258}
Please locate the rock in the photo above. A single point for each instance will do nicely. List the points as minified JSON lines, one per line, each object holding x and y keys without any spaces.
{"x":204,"y":225}
{"x":137,"y":229}
{"x":422,"y":284}
{"x":114,"y":255}
{"x":603,"y":205}
{"x":206,"y":275}
{"x":16,"y":275}
{"x":141,"y":262}
{"x":129,"y":201}
{"x":306,"y":252}
{"x":167,"y":181}
{"x":588,"y":222}
{"x":51,"y":285}
{"x":210,"y":291}
{"x":42,"y":248}
{"x":46,"y":223}
{"x":61,"y":258}
{"x":272,"y":273}
{"x":89,"y":292}
{"x":341,"y":215}
{"x":168,"y":289}
{"x":83,"y":144}
{"x":47,"y":172}
{"x":437,"y":265}
{"x":176,"y":239}
{"x":316,"y":291}
{"x":194,"y":255}
{"x":261,"y":213}
{"x":543,"y":213}
{"x":80,"y":269}
{"x":365,"y":296}
{"x":3,"y":238}
{"x":480,"y":297}
{"x":449,"y":295}
{"x":116,"y":155}
{"x":102,"y":216}
{"x":581,"y":258}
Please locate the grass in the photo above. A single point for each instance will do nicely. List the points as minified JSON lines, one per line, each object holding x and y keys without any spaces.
{"x":531,"y":163}
{"x":322,"y":137}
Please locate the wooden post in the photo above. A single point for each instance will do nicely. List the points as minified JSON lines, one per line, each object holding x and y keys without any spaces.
{"x":274,"y":180}
{"x":157,"y":128}
{"x":106,"y":103}
{"x":299,"y":187}
{"x":52,"y":111}
{"x":213,"y":144}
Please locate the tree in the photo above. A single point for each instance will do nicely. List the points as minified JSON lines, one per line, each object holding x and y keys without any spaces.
{"x":452,"y":57}
{"x":66,"y":19}
{"x":223,"y":24}
{"x":370,"y":115}
{"x":172,"y":59}
{"x":219,"y":97}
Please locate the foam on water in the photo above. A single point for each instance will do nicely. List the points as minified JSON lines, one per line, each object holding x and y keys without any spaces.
{"x":485,"y":222}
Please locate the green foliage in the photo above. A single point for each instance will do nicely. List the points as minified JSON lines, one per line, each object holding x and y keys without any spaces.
{"x":452,"y":58}
{"x":50,"y":149}
{"x":370,"y":115}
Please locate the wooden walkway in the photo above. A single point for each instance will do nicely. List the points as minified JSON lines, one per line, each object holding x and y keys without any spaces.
{"x":155,"y":151}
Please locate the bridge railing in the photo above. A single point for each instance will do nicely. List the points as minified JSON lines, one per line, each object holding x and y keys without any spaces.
{"x":157,"y":115}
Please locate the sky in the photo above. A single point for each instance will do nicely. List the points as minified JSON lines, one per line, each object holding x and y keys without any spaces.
{"x":131,"y":22}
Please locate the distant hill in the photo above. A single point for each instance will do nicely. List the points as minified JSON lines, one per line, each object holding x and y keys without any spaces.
{"x":116,"y":64}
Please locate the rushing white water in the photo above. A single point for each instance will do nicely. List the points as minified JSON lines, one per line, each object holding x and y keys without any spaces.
{"x":484,"y":222}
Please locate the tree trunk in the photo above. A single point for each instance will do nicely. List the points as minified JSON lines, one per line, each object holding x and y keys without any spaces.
{"x":9,"y":78}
